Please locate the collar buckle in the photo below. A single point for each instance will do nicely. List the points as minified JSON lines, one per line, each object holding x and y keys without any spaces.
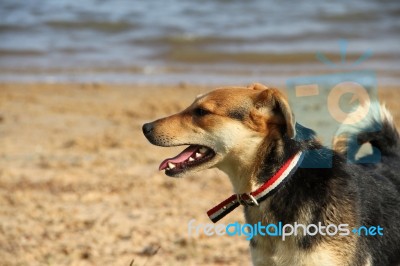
{"x":246,"y":199}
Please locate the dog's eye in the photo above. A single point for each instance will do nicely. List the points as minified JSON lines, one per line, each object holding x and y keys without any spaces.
{"x":201,"y":112}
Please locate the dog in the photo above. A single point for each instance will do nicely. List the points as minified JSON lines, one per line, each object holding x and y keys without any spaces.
{"x":275,"y":167}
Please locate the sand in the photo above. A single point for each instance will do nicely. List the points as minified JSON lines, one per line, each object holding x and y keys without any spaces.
{"x":79,"y":183}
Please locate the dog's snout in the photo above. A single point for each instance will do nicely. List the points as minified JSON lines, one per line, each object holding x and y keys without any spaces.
{"x":147,"y":128}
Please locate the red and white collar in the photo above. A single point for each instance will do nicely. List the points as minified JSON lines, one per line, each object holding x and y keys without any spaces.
{"x":258,"y":195}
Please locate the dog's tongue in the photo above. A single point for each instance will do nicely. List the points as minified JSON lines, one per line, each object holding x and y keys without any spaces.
{"x":180,"y":158}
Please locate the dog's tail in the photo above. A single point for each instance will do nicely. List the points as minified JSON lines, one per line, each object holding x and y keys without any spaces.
{"x":376,"y":127}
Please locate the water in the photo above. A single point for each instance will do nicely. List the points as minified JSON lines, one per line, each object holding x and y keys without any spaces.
{"x":209,"y":41}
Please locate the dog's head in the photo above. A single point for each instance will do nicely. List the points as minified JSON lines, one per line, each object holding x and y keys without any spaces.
{"x":223,"y":127}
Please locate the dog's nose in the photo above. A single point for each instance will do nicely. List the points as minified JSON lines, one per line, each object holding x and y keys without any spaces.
{"x":147,"y":128}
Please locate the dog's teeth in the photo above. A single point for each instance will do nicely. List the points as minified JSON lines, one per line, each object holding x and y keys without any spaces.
{"x":168,"y":168}
{"x":203,"y":149}
{"x":191,"y":159}
{"x":171,"y":165}
{"x":198,"y":155}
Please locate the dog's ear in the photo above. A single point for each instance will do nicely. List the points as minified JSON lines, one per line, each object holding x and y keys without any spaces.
{"x":257,"y":87}
{"x":272,"y":100}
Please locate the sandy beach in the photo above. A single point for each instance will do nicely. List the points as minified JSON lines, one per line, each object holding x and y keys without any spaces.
{"x":79,"y":183}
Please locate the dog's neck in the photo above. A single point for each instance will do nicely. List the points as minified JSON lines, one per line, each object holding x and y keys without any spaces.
{"x":248,"y":170}
{"x":240,"y":164}
{"x":240,"y":173}
{"x":274,"y":155}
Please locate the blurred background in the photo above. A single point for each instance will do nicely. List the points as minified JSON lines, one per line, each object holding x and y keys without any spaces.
{"x":79,"y":183}
{"x":207,"y":42}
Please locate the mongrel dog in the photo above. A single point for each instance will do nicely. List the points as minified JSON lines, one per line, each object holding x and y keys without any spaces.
{"x":251,"y":135}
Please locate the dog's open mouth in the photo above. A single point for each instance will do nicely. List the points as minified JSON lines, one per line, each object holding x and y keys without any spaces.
{"x":192,"y":156}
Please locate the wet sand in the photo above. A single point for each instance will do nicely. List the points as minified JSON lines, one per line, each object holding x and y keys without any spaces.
{"x":79,"y":183}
